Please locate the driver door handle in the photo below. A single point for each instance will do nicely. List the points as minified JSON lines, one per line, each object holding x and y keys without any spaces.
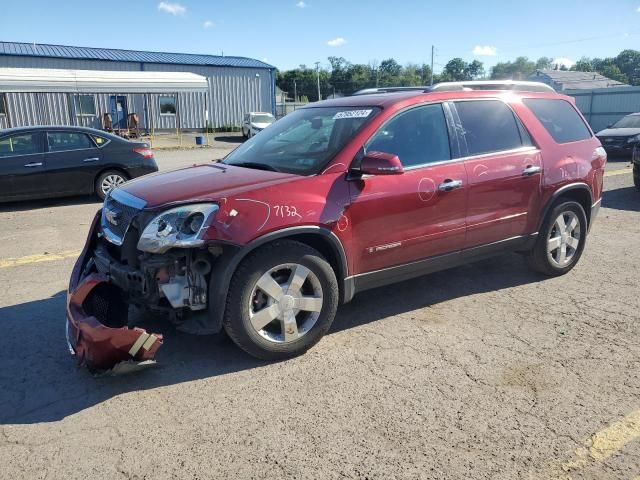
{"x":33,"y":164}
{"x":449,"y":185}
{"x":531,"y":170}
{"x":94,"y":159}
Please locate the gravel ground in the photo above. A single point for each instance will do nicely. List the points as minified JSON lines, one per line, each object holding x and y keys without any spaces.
{"x":484,"y":371}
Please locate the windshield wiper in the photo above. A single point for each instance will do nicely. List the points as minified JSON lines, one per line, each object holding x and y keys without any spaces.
{"x":256,"y":165}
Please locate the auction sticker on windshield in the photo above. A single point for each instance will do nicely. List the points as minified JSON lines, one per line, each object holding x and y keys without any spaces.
{"x":352,"y":114}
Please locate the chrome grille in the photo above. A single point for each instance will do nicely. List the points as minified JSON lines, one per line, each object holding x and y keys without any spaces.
{"x":118,"y":211}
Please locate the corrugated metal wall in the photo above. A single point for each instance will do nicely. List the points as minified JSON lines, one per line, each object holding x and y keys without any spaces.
{"x":604,"y":106}
{"x":232,"y":91}
{"x":26,"y":109}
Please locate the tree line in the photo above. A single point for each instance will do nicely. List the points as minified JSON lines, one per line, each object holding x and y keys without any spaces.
{"x":345,"y":78}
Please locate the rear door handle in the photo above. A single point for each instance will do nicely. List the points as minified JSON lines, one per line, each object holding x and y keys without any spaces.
{"x":33,"y":164}
{"x":449,"y":185}
{"x":94,"y":159}
{"x":531,"y":170}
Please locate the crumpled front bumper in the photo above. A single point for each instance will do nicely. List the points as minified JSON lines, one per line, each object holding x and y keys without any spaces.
{"x":98,"y":346}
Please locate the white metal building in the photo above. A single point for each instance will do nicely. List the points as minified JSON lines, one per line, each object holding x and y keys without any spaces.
{"x":235,"y":85}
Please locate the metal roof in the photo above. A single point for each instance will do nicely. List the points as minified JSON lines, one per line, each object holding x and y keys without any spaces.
{"x":116,"y":55}
{"x":577,"y":80}
{"x":96,"y":81}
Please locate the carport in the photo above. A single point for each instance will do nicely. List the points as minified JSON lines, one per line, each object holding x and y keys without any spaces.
{"x":162,"y":101}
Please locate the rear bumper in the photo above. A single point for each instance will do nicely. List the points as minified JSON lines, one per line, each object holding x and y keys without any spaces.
{"x":97,"y":345}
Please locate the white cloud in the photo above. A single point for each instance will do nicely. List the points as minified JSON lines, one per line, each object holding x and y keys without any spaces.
{"x":638,"y":9}
{"x":560,"y":61}
{"x":301,"y":4}
{"x":485,"y":50}
{"x":172,"y":8}
{"x":208,"y":24}
{"x":336,"y":42}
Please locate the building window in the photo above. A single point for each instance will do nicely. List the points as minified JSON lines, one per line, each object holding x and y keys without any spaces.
{"x":3,"y":105}
{"x":85,"y":106}
{"x":167,"y":105}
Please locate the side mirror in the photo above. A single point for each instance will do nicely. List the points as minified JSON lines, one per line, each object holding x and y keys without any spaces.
{"x":381,"y":163}
{"x":610,"y":125}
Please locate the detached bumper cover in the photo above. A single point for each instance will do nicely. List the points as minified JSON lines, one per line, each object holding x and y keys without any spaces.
{"x":96,"y":345}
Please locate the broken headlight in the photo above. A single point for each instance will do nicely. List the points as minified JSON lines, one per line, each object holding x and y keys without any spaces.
{"x":179,"y":227}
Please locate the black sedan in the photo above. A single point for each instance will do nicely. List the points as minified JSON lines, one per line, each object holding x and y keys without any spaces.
{"x":52,"y":161}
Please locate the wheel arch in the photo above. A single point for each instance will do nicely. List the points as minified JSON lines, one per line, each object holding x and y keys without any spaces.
{"x":319,"y":238}
{"x":579,"y":192}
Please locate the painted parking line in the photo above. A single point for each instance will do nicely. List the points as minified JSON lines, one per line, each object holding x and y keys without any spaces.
{"x":621,"y":171}
{"x":607,"y":442}
{"x":30,"y":259}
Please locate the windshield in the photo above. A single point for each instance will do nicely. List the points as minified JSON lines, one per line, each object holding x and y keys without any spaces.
{"x":630,"y":121}
{"x":262,"y":119}
{"x":304,"y":141}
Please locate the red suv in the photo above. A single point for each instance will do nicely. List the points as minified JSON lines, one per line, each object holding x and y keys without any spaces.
{"x":336,"y":198}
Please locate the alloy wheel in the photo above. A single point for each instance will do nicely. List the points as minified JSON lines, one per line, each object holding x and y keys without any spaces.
{"x":564,"y":239}
{"x":110,"y":182}
{"x":285,"y":303}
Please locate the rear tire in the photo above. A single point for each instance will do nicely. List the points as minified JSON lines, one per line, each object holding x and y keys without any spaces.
{"x":560,"y":241}
{"x":107,"y":181}
{"x":636,"y":181}
{"x":281,"y":301}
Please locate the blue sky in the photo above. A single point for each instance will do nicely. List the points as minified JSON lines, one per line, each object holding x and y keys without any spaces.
{"x":287,"y":33}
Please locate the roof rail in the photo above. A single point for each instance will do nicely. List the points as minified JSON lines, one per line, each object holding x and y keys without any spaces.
{"x":515,"y":85}
{"x":374,"y":90}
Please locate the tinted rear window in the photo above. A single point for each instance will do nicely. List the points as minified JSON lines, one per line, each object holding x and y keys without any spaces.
{"x":559,"y":118}
{"x":489,"y":126}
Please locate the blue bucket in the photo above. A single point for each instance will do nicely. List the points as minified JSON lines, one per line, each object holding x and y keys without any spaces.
{"x":199,"y":140}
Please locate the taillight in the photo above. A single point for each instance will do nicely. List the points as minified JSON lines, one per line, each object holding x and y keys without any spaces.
{"x":144,"y":151}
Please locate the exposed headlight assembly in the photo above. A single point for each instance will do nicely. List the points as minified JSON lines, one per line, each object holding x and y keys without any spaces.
{"x":635,"y":138}
{"x":180,"y":227}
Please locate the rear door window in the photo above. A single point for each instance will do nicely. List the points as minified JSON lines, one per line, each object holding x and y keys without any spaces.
{"x":65,"y":141}
{"x":418,"y":136}
{"x":22,"y":144}
{"x":489,"y":126}
{"x":559,"y":118}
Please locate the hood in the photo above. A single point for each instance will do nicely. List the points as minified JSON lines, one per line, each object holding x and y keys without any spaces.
{"x":207,"y":182}
{"x":618,"y":132}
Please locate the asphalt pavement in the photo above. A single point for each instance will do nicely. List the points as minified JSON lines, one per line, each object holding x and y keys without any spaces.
{"x":486,"y":371}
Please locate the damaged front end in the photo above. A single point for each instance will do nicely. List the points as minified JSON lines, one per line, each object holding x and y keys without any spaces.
{"x":145,"y":260}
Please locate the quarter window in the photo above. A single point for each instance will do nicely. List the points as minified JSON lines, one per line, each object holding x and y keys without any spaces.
{"x":167,"y":105}
{"x":559,"y":118}
{"x":85,"y":105}
{"x":418,"y":136}
{"x":63,"y":141}
{"x":489,"y":126}
{"x":23,"y":144}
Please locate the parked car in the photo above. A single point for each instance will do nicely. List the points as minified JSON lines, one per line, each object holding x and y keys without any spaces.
{"x":621,"y":137}
{"x":335,"y":198}
{"x":53,"y":161}
{"x":255,"y":122}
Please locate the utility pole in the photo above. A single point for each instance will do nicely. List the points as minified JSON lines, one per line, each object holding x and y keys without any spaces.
{"x":295,"y":93}
{"x":432,"y":53}
{"x":318,"y":78}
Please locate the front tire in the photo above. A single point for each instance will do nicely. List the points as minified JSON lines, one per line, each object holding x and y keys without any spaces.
{"x":560,"y":241}
{"x":282,"y":300}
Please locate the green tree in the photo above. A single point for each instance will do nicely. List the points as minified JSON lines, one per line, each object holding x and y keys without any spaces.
{"x":543,"y":63}
{"x":454,"y":70}
{"x":628,"y":61}
{"x":389,"y":72}
{"x":583,"y":65}
{"x":474,"y":70}
{"x":519,"y":69}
